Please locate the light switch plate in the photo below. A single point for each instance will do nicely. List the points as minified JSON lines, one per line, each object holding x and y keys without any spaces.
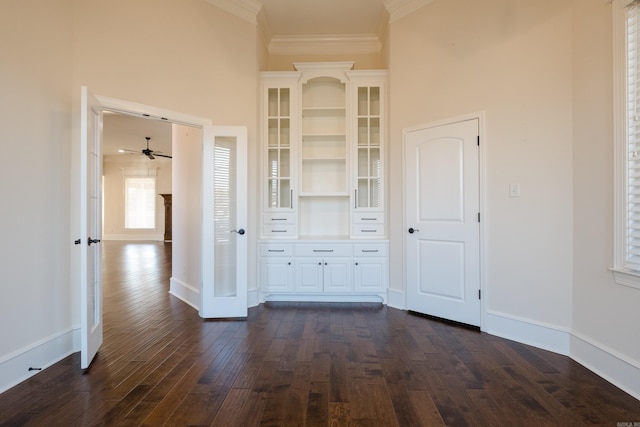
{"x":514,"y":190}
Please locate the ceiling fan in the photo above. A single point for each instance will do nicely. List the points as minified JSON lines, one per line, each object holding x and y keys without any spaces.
{"x":149,"y":152}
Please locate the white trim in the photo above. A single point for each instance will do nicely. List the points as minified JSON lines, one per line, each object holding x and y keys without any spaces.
{"x":185,"y":292}
{"x":316,"y":297}
{"x":253,"y":298}
{"x":614,"y":367}
{"x":527,"y":331}
{"x":243,"y":9}
{"x":14,"y":367}
{"x":397,"y":299}
{"x":621,"y":275}
{"x":353,"y":44}
{"x":482,"y":183}
{"x":149,"y":112}
{"x":398,"y":9}
{"x":627,"y":278}
{"x":151,"y":237}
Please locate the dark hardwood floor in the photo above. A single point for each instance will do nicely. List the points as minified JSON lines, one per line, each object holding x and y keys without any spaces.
{"x":294,"y":364}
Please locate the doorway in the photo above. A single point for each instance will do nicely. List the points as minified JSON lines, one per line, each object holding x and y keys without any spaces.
{"x":442,"y":220}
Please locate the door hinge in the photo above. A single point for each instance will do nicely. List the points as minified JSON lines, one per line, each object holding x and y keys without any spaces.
{"x":479,"y":294}
{"x":478,"y":216}
{"x":478,"y":140}
{"x":76,"y":242}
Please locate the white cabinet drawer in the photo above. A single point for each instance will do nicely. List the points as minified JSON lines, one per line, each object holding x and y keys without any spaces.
{"x":367,"y":230}
{"x":368,"y":218}
{"x":370,"y":249}
{"x":280,"y":230}
{"x":276,"y":249}
{"x":275,"y":218}
{"x":324,"y":249}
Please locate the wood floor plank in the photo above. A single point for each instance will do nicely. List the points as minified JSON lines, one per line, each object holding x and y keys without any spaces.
{"x":295,"y":364}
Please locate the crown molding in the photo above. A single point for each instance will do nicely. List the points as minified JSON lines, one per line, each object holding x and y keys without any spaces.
{"x":323,"y":45}
{"x":245,"y":9}
{"x":400,"y":8}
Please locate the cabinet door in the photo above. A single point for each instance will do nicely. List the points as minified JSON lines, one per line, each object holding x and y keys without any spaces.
{"x":279,"y":156}
{"x":309,"y":275}
{"x":369,"y":144}
{"x":337,"y":274}
{"x":369,"y":274}
{"x":277,"y":274}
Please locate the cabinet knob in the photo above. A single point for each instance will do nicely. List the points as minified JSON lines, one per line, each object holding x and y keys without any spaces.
{"x":356,"y":263}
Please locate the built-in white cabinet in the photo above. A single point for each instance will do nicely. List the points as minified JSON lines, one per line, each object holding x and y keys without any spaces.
{"x":316,"y":269}
{"x":323,"y":132}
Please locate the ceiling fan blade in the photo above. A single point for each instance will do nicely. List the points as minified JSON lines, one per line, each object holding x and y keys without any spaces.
{"x":162,"y":155}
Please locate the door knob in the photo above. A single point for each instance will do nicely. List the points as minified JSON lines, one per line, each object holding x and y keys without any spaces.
{"x":413,"y":230}
{"x":90,"y":241}
{"x":240,"y":232}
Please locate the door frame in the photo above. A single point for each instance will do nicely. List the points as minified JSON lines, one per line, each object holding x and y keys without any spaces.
{"x":154,"y":113}
{"x":480,"y":116}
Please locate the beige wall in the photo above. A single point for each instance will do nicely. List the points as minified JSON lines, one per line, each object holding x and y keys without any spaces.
{"x":604,"y":313}
{"x":511,"y":60}
{"x":35,"y":124}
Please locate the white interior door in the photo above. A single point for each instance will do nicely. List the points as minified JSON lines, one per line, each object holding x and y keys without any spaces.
{"x":91,"y":227}
{"x":442,"y":220}
{"x":224,"y":246}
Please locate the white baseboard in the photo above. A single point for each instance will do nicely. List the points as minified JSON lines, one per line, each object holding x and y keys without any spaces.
{"x":396,"y":299}
{"x":156,"y":237}
{"x":185,"y":292}
{"x":607,"y":363}
{"x":253,"y":298}
{"x":538,"y":334}
{"x":310,"y":297}
{"x":14,"y":367}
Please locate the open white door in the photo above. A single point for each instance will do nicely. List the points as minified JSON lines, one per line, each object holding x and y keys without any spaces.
{"x":442,"y":219}
{"x":224,"y":238}
{"x":90,"y":199}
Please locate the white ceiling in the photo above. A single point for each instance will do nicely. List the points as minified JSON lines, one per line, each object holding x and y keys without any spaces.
{"x":128,"y":132}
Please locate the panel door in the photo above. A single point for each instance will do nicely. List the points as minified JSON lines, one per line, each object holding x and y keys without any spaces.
{"x":90,"y":227}
{"x":369,"y":274}
{"x":309,"y":275}
{"x":442,"y":220}
{"x":277,"y":274}
{"x":337,"y":274}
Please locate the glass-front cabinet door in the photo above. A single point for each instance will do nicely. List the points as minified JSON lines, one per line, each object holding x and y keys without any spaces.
{"x":369,"y":168}
{"x":279,"y":127}
{"x":368,"y":141}
{"x":279,"y":149}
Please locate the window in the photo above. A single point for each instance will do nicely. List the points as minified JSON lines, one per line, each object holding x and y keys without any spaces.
{"x":627,"y":143}
{"x":140,"y":202}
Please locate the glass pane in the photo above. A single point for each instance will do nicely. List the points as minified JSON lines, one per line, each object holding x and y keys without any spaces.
{"x":374,"y":131}
{"x":273,"y":102}
{"x":273,"y":163}
{"x":224,"y":199}
{"x":273,"y":193}
{"x":363,"y":162}
{"x":284,"y":164}
{"x":363,"y":193}
{"x":374,"y":160}
{"x":363,"y":131}
{"x":285,"y":132}
{"x":374,"y":101}
{"x":375,"y":190}
{"x":273,"y":133}
{"x":285,"y":193}
{"x":363,"y":101}
{"x":284,"y":102}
